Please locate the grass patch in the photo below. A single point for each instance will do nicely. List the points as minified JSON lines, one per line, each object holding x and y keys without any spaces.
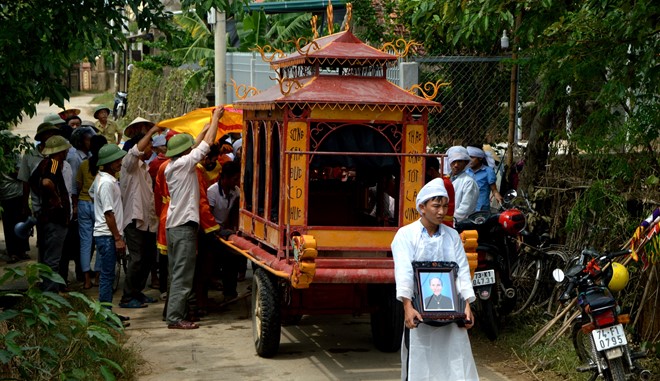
{"x":558,"y":360}
{"x":549,"y":362}
{"x":107,"y":99}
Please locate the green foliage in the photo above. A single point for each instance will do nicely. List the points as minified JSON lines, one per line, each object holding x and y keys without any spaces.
{"x":602,"y":211}
{"x":200,"y":51}
{"x":11,"y":147}
{"x":252,"y":30}
{"x":46,"y":335}
{"x":40,"y":40}
{"x":288,"y":27}
{"x":157,"y":95}
{"x":605,"y":51}
{"x":366,"y":24}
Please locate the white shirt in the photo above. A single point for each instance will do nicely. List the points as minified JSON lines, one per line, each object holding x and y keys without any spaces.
{"x":220,"y":203}
{"x":183,"y":186}
{"x":466,"y":195}
{"x":448,"y":346}
{"x":107,"y":197}
{"x":137,"y":193}
{"x":412,"y":243}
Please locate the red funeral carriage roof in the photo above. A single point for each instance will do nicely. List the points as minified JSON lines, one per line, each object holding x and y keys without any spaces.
{"x":341,"y":48}
{"x":341,"y":92}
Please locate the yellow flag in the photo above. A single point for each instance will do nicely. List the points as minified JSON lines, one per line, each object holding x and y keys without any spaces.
{"x":194,"y":121}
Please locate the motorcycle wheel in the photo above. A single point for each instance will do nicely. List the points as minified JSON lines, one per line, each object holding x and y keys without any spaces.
{"x":615,"y":371}
{"x":487,"y":318}
{"x":526,"y":276}
{"x":582,"y":344}
{"x":120,"y":111}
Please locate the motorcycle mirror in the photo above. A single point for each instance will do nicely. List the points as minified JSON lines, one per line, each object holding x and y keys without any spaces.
{"x":558,"y":275}
{"x":573,"y":271}
{"x":510,"y":195}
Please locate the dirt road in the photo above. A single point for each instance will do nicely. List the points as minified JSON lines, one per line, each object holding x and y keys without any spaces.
{"x":318,"y":348}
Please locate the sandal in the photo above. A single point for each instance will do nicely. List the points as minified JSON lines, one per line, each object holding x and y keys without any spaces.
{"x":134,"y":303}
{"x":147,"y":299}
{"x":183,"y":324}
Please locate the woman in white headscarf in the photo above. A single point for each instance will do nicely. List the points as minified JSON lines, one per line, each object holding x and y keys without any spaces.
{"x":431,"y":352}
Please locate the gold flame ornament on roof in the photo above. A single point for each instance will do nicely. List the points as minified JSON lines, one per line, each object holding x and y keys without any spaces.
{"x":331,"y":25}
{"x":400,"y":47}
{"x":268,"y":53}
{"x":287,"y":84}
{"x":429,"y":90}
{"x":349,"y":16}
{"x":304,"y":45}
{"x":244,"y":91}
{"x":313,"y":21}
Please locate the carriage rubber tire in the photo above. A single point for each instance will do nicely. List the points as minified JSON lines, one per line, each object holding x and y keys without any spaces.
{"x":387,"y":321}
{"x":487,"y":318}
{"x":526,"y":275}
{"x":266,"y":318}
{"x":615,"y":371}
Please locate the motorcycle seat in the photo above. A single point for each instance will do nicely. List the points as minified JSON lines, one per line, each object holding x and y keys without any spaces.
{"x":599,"y":300}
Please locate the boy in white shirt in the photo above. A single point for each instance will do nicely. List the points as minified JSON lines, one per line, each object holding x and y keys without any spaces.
{"x":108,"y":214}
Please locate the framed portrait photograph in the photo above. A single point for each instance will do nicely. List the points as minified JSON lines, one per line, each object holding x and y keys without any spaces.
{"x":436,"y":297}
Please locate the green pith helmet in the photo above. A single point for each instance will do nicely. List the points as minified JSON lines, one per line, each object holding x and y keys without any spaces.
{"x":178,"y":144}
{"x":45,"y":127}
{"x":55,"y":144}
{"x":109,"y":153}
{"x":99,"y":108}
{"x":54,"y":119}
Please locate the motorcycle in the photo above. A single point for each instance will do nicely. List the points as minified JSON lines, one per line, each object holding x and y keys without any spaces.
{"x":598,"y":333}
{"x":496,"y":252}
{"x":121,"y":102}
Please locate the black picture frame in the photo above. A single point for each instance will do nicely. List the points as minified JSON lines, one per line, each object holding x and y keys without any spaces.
{"x":448,"y":305}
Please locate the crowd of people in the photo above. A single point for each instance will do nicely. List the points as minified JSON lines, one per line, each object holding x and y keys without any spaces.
{"x":166,"y":199}
{"x":151,"y":198}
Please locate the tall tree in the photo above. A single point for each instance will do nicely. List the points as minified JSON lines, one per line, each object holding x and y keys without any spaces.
{"x":604,"y":50}
{"x":41,"y":39}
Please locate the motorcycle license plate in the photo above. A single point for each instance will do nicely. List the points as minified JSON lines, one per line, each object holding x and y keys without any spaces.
{"x":482,"y":278}
{"x":609,"y":337}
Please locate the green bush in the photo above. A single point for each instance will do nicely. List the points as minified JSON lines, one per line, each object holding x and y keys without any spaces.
{"x":45,"y":336}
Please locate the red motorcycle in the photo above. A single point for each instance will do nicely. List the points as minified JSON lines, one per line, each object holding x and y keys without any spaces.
{"x":497,"y":250}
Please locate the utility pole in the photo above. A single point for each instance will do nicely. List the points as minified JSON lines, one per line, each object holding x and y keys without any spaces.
{"x":220,"y":44}
{"x":513,"y":97}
